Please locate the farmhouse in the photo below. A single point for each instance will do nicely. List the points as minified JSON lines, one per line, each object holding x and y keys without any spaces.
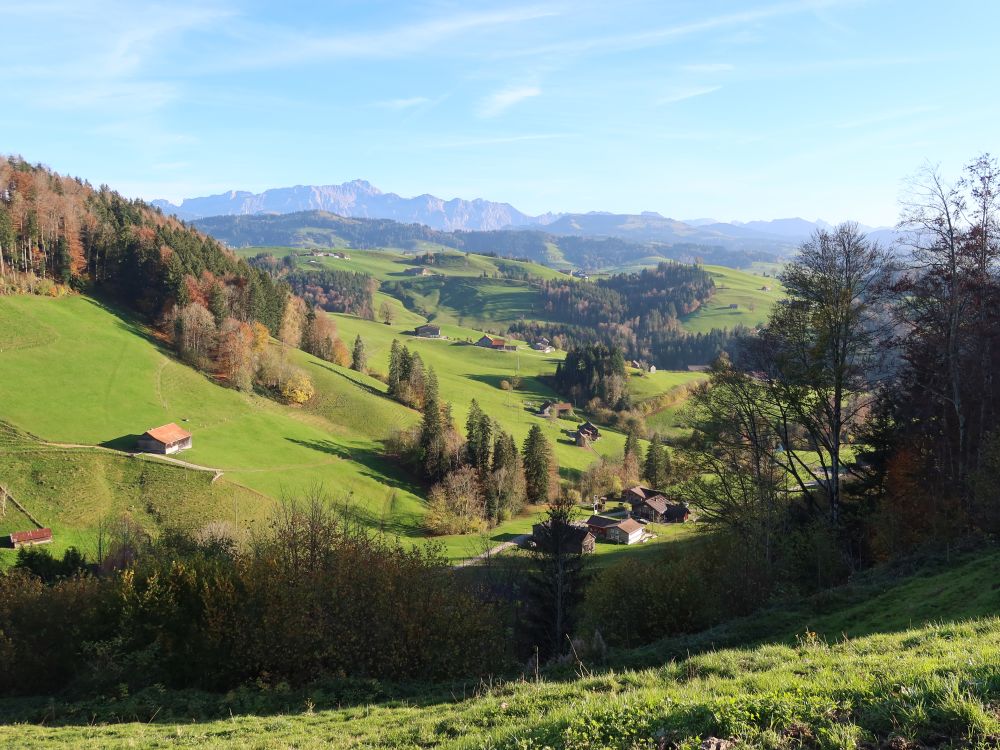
{"x":166,"y":439}
{"x":418,"y":271}
{"x":599,"y":525}
{"x":428,"y":331}
{"x":492,"y":342}
{"x":542,"y":345}
{"x":555,"y":408}
{"x":628,"y":531}
{"x":577,"y":539}
{"x":20,"y":539}
{"x":589,"y":430}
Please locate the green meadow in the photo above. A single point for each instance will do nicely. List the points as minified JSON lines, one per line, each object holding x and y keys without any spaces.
{"x":74,"y":371}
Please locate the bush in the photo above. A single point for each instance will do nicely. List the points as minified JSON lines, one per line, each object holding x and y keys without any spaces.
{"x":297,"y":388}
{"x":308,"y":598}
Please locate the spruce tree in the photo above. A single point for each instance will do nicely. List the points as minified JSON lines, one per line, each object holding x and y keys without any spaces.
{"x":654,"y":470}
{"x":433,"y":445}
{"x":359,"y":357}
{"x":394,"y":369}
{"x":537,"y":464}
{"x":632,"y":443}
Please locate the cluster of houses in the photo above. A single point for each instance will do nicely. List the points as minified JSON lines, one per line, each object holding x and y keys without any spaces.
{"x":543,"y":345}
{"x":646,"y":505}
{"x":636,"y":364}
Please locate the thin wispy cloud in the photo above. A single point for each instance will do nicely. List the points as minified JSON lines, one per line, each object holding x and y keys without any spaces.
{"x":500,"y":101}
{"x":664,"y":34}
{"x":293,"y":46}
{"x":681,"y":95}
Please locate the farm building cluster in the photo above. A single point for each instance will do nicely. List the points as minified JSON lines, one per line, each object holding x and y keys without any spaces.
{"x":640,"y":506}
{"x":496,"y":343}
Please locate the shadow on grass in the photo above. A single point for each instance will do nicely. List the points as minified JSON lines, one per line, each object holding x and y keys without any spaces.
{"x":124,"y":443}
{"x":381,"y":469}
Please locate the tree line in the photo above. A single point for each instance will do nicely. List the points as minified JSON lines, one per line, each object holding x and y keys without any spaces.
{"x":331,"y":289}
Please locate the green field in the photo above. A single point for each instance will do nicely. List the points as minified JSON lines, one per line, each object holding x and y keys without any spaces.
{"x":906,"y":662}
{"x":732,"y":287}
{"x":74,"y":371}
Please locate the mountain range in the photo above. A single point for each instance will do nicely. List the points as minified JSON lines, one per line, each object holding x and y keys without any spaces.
{"x":361,"y":199}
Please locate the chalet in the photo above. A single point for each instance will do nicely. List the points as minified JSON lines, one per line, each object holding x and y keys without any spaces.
{"x":166,"y":439}
{"x":628,"y":531}
{"x":555,"y":408}
{"x":576,"y":540}
{"x":637,"y":494}
{"x":20,"y":539}
{"x":418,"y":271}
{"x":599,"y":525}
{"x":658,"y":510}
{"x":492,"y":342}
{"x":589,"y":429}
{"x":428,"y":331}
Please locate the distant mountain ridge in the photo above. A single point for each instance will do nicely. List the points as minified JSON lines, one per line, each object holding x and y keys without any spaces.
{"x":362,"y":200}
{"x":358,"y":199}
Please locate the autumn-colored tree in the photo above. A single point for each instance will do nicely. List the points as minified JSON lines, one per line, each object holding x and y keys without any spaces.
{"x":235,"y":354}
{"x":293,"y":322}
{"x":298,"y":387}
{"x":195,"y":334}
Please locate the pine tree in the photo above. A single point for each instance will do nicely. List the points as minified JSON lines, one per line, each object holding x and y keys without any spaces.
{"x":433,"y":443}
{"x":632,"y":443}
{"x":505,"y":484}
{"x":359,"y":357}
{"x":654,"y":471}
{"x":217,"y":304}
{"x":479,"y":439}
{"x":537,"y":464}
{"x":394,"y":369}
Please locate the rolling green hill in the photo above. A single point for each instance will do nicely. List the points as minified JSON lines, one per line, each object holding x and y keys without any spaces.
{"x":744,"y":289}
{"x":75,"y":371}
{"x":898,"y":662}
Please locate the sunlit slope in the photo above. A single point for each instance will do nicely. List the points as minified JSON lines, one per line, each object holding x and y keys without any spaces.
{"x":72,"y":371}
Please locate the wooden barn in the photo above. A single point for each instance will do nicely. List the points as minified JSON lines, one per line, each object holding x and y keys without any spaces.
{"x":428,"y":331}
{"x":555,"y":408}
{"x":166,"y":440}
{"x":20,"y":539}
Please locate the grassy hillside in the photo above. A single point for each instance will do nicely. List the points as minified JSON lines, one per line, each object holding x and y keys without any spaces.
{"x":741,"y":288}
{"x":74,"y":371}
{"x":901,"y":676}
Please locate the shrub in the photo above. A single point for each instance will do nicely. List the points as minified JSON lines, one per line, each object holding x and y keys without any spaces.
{"x":297,"y":388}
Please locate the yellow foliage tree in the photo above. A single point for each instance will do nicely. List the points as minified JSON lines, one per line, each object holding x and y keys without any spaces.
{"x":297,"y":388}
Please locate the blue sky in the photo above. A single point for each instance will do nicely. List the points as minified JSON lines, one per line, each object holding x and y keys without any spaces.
{"x":735,"y":110}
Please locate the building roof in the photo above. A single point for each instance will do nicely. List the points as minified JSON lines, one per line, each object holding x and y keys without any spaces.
{"x":644,"y":492}
{"x":629,"y":526}
{"x":602,"y":522}
{"x":587,"y":427}
{"x":35,"y":535}
{"x":168,"y":433}
{"x":657,"y":503}
{"x":427,"y":326}
{"x":676,"y":512}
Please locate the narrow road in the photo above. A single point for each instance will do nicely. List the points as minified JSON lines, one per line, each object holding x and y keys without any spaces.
{"x":517,"y":541}
{"x":148,"y":456}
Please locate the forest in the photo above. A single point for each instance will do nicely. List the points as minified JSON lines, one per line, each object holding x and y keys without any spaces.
{"x":637,"y":313}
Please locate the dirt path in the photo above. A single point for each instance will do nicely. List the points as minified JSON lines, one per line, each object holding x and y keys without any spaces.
{"x":146,"y":456}
{"x":517,"y":541}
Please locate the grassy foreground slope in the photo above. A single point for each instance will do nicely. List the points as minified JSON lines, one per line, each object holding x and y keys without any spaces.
{"x":931,"y":682}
